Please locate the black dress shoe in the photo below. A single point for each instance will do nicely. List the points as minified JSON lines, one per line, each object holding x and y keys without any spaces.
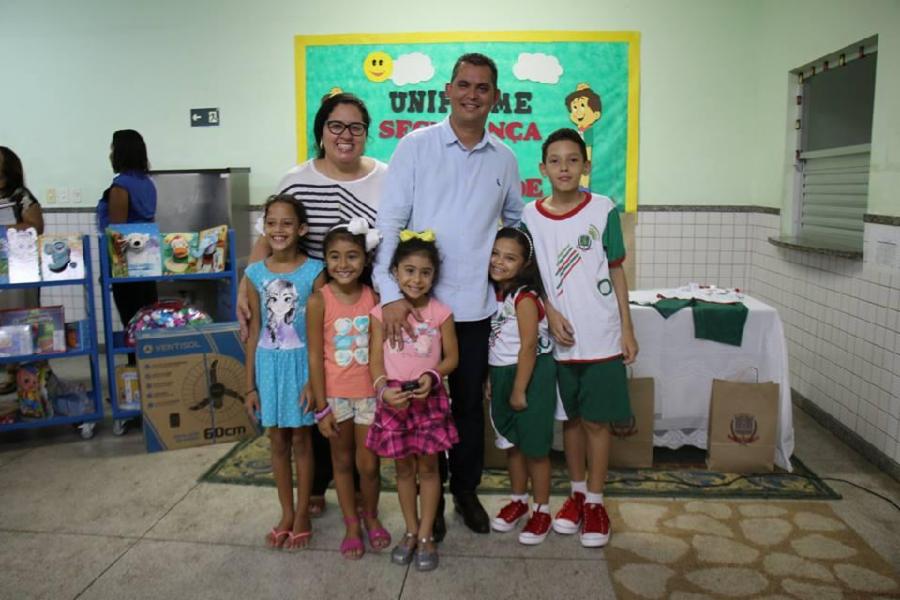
{"x":439,"y":529}
{"x":473,"y":513}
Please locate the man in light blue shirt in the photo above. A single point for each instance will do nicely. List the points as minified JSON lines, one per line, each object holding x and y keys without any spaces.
{"x":459,"y":180}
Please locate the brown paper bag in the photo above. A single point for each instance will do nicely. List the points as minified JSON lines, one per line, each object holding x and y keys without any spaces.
{"x":743,"y":425}
{"x":632,"y":439}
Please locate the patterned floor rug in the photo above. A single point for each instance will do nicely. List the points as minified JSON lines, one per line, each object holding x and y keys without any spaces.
{"x":675,"y":475}
{"x":693,"y":550}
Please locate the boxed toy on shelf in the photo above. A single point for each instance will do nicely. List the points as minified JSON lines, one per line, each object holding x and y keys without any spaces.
{"x":4,"y":256}
{"x":78,"y":334}
{"x":212,"y":249}
{"x":31,"y":383}
{"x":179,"y":253}
{"x":128,"y":387}
{"x":22,"y":255}
{"x":48,"y":326}
{"x":16,"y":340}
{"x":62,"y":257}
{"x":134,"y":250}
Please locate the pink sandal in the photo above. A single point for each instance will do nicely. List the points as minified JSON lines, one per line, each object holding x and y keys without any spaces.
{"x":291,"y":544}
{"x":277,"y":537}
{"x":379,"y":538}
{"x":353,"y":544}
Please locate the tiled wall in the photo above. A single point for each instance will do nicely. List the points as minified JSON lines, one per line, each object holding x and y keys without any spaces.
{"x":841,"y":317}
{"x":842,"y":323}
{"x":72,"y":297}
{"x":677,"y":247}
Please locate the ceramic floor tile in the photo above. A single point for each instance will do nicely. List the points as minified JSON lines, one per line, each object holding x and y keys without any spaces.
{"x":460,"y":577}
{"x":57,"y":566}
{"x":217,"y":513}
{"x":8,"y":455}
{"x":106,"y":486}
{"x":154,"y":569}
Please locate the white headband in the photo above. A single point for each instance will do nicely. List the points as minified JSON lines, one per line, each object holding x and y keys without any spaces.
{"x":359,"y":226}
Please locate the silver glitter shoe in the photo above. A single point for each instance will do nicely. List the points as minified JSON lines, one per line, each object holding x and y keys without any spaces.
{"x":402,"y":554}
{"x":426,"y":560}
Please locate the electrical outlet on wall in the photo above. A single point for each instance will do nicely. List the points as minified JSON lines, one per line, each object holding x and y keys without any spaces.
{"x":62,"y":195}
{"x":50,"y":196}
{"x":75,"y":195}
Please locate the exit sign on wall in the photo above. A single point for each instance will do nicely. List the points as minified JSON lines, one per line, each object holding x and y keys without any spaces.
{"x":204,"y":117}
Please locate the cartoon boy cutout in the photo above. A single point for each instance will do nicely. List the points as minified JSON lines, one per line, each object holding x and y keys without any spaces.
{"x":585,"y":109}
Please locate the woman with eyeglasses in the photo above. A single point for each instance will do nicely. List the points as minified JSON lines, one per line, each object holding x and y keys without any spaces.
{"x":338,"y":184}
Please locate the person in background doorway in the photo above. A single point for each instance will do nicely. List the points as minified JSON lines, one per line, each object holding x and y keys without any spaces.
{"x":131,"y":198}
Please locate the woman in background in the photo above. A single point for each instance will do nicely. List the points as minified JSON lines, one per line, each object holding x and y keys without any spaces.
{"x":26,"y":212}
{"x":131,"y":198}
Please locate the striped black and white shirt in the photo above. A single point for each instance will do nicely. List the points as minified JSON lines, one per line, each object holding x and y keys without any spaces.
{"x":329,"y":202}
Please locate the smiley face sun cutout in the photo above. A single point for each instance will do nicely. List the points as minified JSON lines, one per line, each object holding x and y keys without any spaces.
{"x":378,"y":66}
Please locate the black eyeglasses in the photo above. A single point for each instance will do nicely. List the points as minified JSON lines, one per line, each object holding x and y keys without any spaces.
{"x":337,"y":128}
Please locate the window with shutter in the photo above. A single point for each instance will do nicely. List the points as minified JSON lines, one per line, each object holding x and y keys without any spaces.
{"x":835,"y":98}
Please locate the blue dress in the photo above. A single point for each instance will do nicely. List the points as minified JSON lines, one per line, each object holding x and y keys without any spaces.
{"x":282,"y":366}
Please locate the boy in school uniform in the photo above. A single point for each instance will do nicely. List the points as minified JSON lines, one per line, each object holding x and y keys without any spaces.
{"x":579,"y":248}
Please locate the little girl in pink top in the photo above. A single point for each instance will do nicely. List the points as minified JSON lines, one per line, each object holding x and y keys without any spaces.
{"x":338,"y":336}
{"x":413,"y":422}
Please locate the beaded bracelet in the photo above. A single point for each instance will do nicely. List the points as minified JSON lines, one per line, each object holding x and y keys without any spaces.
{"x":323,"y":413}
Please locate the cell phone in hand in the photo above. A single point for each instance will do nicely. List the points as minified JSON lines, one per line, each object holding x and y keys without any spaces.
{"x":408,"y":386}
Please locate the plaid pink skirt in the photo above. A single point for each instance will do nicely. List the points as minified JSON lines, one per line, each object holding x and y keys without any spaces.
{"x":424,"y":427}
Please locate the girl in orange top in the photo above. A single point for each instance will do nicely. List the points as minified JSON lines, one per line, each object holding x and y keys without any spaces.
{"x":338,"y":335}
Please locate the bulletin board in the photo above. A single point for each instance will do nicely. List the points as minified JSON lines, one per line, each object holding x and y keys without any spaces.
{"x":547,"y":79}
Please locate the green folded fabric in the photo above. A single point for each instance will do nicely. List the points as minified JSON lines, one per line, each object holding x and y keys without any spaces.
{"x":719,"y":322}
{"x":669,"y":306}
{"x":712,"y":321}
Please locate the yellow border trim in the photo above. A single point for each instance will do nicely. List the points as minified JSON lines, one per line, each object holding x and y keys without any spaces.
{"x":633,"y":38}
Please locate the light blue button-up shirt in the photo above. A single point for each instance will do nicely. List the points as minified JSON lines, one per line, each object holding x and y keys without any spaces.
{"x":434,"y":182}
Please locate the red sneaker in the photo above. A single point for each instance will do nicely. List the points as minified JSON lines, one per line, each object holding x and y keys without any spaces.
{"x":509,"y":515}
{"x":569,"y":516}
{"x":595,"y":529}
{"x":536,"y":529}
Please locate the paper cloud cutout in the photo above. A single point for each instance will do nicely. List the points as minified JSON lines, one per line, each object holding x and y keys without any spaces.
{"x":538,"y":67}
{"x":414,"y":67}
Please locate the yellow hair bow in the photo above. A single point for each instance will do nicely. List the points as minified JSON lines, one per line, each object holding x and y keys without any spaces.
{"x":409,"y":234}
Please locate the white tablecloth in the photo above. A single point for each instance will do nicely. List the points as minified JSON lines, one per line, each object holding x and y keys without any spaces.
{"x":684,"y":368}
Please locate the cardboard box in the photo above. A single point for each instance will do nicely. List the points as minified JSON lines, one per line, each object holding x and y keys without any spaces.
{"x":192,"y":386}
{"x":743,"y":426}
{"x":128,"y":388}
{"x":632,"y":440}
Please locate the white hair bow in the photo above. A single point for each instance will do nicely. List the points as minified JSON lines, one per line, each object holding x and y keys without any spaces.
{"x":359,"y":226}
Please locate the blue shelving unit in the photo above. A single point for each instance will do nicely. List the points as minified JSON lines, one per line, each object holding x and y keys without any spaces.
{"x":86,"y":422}
{"x":115,"y":340}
